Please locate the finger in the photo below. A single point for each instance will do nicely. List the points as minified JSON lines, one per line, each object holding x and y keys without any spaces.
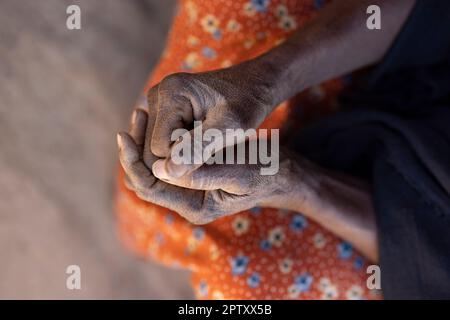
{"x":152,"y":98}
{"x":188,"y":203}
{"x":174,"y":111}
{"x":229,"y":178}
{"x":140,"y":176}
{"x":203,"y":142}
{"x":138,"y":126}
{"x":128,"y":183}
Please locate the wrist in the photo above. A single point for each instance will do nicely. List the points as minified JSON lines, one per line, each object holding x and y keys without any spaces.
{"x":261,"y":83}
{"x":284,"y":67}
{"x":294,"y":184}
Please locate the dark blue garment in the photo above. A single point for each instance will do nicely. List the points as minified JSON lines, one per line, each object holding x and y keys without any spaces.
{"x":395,"y":131}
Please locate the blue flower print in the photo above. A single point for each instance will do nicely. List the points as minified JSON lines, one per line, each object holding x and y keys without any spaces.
{"x":298,"y":223}
{"x":217,"y":35}
{"x":254,"y":280}
{"x":209,"y":52}
{"x":185,"y":66}
{"x":359,"y":262}
{"x":265,"y":245}
{"x":169,"y":218}
{"x":261,"y":35}
{"x":203,"y":288}
{"x":239,"y":265}
{"x":260,"y":5}
{"x":199,"y":233}
{"x":303,"y":282}
{"x":159,"y":237}
{"x":256,"y":210}
{"x":345,"y":250}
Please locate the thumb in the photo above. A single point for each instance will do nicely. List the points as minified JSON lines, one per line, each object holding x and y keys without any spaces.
{"x":199,"y":145}
{"x":206,"y":177}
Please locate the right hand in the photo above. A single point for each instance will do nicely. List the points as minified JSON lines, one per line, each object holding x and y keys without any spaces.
{"x":232,"y":98}
{"x":211,"y":191}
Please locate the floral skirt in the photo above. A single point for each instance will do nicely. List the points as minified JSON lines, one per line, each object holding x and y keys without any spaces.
{"x":261,"y":253}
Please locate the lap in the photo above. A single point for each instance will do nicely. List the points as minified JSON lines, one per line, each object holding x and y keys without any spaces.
{"x":260,"y":253}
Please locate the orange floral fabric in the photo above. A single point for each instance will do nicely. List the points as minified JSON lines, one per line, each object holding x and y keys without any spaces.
{"x":260,"y":253}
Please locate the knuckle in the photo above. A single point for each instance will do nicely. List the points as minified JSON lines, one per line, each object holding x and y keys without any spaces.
{"x":158,"y":148}
{"x":152,"y":99}
{"x":174,"y":81}
{"x":234,"y":118}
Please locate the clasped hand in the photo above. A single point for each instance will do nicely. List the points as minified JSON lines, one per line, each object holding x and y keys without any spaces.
{"x":202,"y":192}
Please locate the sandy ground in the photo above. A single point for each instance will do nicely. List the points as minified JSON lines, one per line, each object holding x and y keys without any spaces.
{"x":63,"y":95}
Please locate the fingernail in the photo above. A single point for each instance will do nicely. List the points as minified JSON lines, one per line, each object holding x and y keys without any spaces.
{"x":134,"y":117}
{"x":159,"y":170}
{"x":119,"y":140}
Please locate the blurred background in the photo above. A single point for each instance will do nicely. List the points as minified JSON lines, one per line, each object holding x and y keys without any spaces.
{"x":63,"y":96}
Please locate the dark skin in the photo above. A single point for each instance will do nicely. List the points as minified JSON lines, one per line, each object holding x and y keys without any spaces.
{"x":333,"y":44}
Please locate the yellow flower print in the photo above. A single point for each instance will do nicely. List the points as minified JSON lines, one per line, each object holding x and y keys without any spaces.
{"x":192,"y":41}
{"x":192,"y":244}
{"x":214,"y":252}
{"x":192,"y":12}
{"x":324,"y":283}
{"x":233,"y":25}
{"x":285,"y":265}
{"x":329,"y":290}
{"x":281,"y":11}
{"x":279,"y":41}
{"x":209,"y":23}
{"x":249,"y":9}
{"x":226,"y":63}
{"x":293,"y":291}
{"x":240,"y":225}
{"x":248,"y":44}
{"x":330,"y":293}
{"x":287,"y":23}
{"x":354,"y":293}
{"x":319,"y":240}
{"x":218,"y":295}
{"x":192,"y":61}
{"x":276,"y":236}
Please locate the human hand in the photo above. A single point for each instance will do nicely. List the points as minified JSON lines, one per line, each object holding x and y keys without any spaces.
{"x":233,"y":98}
{"x":208,"y":193}
{"x":341,"y":203}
